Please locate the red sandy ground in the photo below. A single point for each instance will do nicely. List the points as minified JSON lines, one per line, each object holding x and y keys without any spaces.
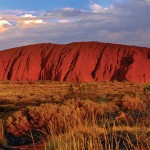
{"x":31,"y":147}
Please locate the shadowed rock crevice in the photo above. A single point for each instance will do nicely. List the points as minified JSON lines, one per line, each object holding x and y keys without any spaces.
{"x":120,"y":73}
{"x":72,"y":65}
{"x":98,"y":62}
{"x":9,"y":76}
{"x":148,"y":55}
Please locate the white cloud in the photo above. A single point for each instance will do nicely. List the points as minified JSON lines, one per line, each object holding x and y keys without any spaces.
{"x":29,"y":20}
{"x":4,"y":22}
{"x":17,"y":12}
{"x":28,"y":16}
{"x":63,"y":21}
{"x":97,"y":8}
{"x":4,"y":25}
{"x":68,"y":9}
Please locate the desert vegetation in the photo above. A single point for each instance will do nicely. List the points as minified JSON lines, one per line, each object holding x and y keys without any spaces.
{"x":75,"y":116}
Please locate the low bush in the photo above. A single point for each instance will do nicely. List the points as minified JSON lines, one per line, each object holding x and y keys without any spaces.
{"x":133,"y":104}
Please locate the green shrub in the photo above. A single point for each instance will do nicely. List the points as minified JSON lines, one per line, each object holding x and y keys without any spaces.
{"x":147,"y":89}
{"x":100,"y":99}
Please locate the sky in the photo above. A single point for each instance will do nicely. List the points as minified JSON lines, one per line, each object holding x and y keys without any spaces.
{"x":64,"y":21}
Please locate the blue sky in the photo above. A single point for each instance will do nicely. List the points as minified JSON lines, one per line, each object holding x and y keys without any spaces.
{"x":37,"y":4}
{"x":49,"y":4}
{"x":24,"y":22}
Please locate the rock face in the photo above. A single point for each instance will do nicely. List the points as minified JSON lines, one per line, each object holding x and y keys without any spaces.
{"x":82,"y":61}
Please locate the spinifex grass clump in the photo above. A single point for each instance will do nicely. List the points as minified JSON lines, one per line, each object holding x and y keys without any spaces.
{"x":58,"y":117}
{"x":96,"y":138}
{"x":81,"y":124}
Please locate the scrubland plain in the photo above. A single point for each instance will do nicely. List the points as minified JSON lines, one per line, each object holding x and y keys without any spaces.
{"x":75,"y":116}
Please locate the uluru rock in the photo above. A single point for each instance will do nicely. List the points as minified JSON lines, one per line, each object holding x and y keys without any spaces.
{"x":77,"y":62}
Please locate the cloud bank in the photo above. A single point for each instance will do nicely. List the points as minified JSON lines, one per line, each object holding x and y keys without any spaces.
{"x":125,"y":23}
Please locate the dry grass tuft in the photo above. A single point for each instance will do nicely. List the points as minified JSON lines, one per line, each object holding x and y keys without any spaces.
{"x":3,"y":140}
{"x":133,"y":104}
